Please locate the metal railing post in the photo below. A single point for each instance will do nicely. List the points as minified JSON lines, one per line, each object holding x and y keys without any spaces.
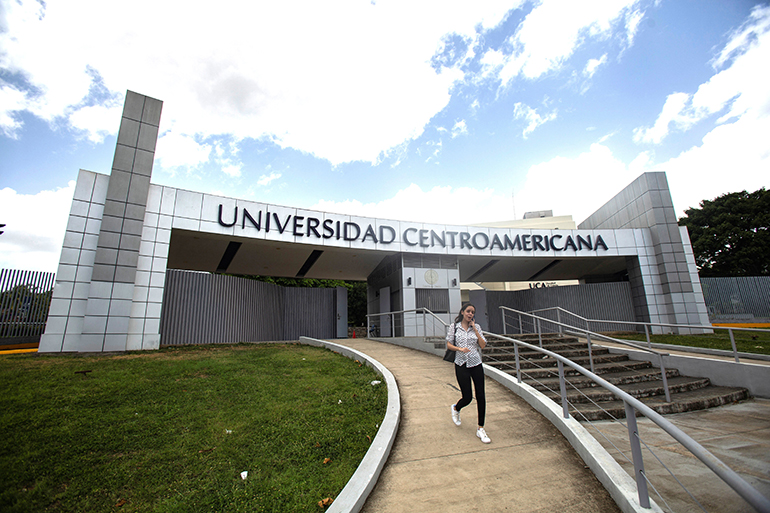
{"x":647,"y":335}
{"x":392,"y":325}
{"x":590,"y":353}
{"x":521,"y":326}
{"x":558,"y":319}
{"x":518,"y":366}
{"x":735,"y":349}
{"x":424,"y":325}
{"x":368,"y":329}
{"x":665,"y":378}
{"x":505,"y":328}
{"x":563,"y":390}
{"x":539,"y":333}
{"x":636,"y":453}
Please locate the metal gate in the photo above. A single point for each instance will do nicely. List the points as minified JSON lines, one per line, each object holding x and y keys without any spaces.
{"x":25,"y":297}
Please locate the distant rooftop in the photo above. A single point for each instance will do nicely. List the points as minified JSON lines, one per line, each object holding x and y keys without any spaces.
{"x":543,"y":219}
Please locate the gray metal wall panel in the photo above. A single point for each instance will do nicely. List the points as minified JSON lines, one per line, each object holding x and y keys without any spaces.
{"x":610,"y":301}
{"x":740,"y":298}
{"x":200,"y":308}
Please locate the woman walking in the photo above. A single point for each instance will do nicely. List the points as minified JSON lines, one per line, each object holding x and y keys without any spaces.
{"x":464,"y":336}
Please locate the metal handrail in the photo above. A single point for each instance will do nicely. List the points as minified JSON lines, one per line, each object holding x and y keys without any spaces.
{"x":647,"y":325}
{"x":423,"y":311}
{"x":725,"y":473}
{"x":588,"y":334}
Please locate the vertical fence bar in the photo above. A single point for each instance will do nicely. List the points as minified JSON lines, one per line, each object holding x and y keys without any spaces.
{"x":521,"y":326}
{"x":636,"y":453}
{"x":558,"y":319}
{"x":735,"y":349}
{"x":4,"y":287}
{"x":392,"y":325}
{"x":647,"y":336}
{"x":590,"y":352}
{"x":563,"y":390}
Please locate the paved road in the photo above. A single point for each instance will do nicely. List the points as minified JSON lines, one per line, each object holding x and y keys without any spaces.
{"x":436,"y":466}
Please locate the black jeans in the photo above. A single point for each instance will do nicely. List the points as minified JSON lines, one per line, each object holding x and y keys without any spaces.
{"x":464,"y":376}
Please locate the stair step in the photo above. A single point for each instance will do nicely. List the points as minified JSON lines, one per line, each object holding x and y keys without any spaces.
{"x":509,"y":353}
{"x":547,"y":361}
{"x":638,"y":390}
{"x":639,"y":379}
{"x":600,"y":369}
{"x":701,"y":399}
{"x":616,"y":378}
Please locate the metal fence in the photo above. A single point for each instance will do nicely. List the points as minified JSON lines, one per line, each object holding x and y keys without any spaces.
{"x":202,"y":308}
{"x":737,"y":298}
{"x":25,"y":297}
{"x":610,"y":301}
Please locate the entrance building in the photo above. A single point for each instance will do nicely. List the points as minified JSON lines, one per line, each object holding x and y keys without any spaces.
{"x":124,"y":233}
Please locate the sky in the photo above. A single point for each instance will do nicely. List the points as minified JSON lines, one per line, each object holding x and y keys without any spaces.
{"x":449,"y":112}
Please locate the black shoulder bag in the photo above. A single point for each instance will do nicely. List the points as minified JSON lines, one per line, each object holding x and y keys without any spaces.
{"x":449,"y":356}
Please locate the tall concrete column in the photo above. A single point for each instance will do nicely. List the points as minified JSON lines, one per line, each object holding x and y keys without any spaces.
{"x":105,"y":327}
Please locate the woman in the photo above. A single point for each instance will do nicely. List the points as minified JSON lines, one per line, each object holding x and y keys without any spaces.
{"x":465,"y":337}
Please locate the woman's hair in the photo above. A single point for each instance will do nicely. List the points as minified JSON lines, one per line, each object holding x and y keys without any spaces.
{"x":463,"y":309}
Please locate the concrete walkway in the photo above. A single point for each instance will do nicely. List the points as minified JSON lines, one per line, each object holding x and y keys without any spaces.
{"x":737,"y":434}
{"x":435,"y":466}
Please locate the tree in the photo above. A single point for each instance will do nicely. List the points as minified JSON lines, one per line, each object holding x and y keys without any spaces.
{"x":731,"y":234}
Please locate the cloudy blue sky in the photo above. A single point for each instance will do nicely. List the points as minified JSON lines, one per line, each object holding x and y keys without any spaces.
{"x":436,"y":111}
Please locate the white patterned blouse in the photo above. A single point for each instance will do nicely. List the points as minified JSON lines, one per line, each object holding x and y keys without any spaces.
{"x":460,"y":337}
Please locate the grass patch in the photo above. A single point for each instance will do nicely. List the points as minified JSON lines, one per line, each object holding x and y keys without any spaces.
{"x":171,"y":430}
{"x":745,"y":341}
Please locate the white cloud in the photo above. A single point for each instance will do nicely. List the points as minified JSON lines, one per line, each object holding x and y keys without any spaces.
{"x":732,"y":157}
{"x":266,"y":180}
{"x":576,"y":186}
{"x":674,"y":111}
{"x":97,"y":121}
{"x":534,"y":120}
{"x":633,"y":18}
{"x":358,"y":82}
{"x":460,"y":128}
{"x":550,"y":34}
{"x":11,"y":101}
{"x":175,"y":150}
{"x":438,"y":205}
{"x":233,"y":170}
{"x":735,"y":88}
{"x":593,"y":64}
{"x":35,"y":225}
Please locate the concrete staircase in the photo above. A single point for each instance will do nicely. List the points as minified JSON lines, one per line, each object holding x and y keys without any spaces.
{"x":639,"y":379}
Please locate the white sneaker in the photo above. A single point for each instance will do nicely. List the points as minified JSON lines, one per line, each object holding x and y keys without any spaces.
{"x":456,"y":416}
{"x":483,"y":435}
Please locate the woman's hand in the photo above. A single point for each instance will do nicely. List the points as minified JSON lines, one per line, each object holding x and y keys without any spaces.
{"x":464,"y":350}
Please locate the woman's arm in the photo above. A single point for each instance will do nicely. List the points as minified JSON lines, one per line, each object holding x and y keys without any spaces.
{"x":450,"y":339}
{"x":481,"y":340}
{"x":453,"y":347}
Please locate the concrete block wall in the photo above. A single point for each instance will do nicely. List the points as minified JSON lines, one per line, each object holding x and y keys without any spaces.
{"x":670,"y":290}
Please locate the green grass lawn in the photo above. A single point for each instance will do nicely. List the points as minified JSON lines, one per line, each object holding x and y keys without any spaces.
{"x":745,"y":341}
{"x":172,"y":430}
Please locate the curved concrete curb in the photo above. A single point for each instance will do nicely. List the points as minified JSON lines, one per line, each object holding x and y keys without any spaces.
{"x":615,"y":480}
{"x":353,"y":496}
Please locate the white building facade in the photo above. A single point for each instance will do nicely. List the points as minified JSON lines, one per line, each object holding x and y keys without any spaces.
{"x":125,"y":232}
